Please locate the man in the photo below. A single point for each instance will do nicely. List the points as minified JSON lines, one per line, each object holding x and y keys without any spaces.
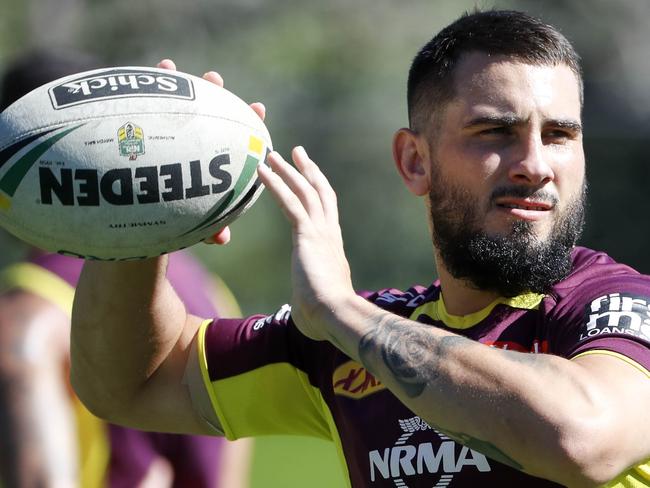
{"x":48,"y":438}
{"x":526,"y":364}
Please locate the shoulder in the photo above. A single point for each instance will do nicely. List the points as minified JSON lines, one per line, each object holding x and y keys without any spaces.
{"x":601,"y":305}
{"x":595,"y":274}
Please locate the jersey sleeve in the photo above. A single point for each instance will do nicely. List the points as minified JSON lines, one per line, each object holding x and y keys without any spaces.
{"x":261,"y":377}
{"x":606,"y":315}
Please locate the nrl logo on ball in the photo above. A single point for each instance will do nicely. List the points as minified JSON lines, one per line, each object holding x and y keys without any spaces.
{"x":130,"y":138}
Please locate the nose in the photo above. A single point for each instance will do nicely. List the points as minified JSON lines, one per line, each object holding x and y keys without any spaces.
{"x":530,"y":165}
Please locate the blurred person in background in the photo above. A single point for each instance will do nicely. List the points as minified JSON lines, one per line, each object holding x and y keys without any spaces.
{"x":47,"y":437}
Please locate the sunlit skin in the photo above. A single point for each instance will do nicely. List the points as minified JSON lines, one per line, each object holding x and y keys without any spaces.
{"x":509,"y":125}
{"x":513,"y":124}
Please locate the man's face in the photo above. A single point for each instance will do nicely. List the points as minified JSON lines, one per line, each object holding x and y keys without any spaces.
{"x":507,"y":174}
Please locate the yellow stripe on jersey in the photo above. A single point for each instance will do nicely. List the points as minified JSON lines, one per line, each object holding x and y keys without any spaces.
{"x":629,"y":361}
{"x":203,"y":363}
{"x":638,"y":476}
{"x":39,"y":281}
{"x":437,"y":310}
{"x":281,"y":401}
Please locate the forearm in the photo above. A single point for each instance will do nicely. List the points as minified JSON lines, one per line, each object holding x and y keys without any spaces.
{"x":126,"y":320}
{"x":517,"y":408}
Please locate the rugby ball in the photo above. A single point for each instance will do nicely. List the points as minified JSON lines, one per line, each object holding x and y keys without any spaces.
{"x":127,"y":162}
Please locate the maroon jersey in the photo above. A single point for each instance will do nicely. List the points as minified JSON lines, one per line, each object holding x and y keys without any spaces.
{"x":263,"y":376}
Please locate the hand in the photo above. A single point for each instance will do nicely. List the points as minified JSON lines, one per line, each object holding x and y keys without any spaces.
{"x":223,"y":235}
{"x":320,"y":270}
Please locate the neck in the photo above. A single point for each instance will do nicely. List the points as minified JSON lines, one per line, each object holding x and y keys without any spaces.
{"x":460,"y":297}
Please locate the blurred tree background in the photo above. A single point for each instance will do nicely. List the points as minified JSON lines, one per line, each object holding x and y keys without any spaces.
{"x":333,"y":76}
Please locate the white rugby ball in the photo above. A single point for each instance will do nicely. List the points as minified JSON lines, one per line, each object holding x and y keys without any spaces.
{"x":127,"y":162}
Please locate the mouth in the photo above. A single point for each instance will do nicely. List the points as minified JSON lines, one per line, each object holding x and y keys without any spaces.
{"x":542,"y":207}
{"x":524,"y":208}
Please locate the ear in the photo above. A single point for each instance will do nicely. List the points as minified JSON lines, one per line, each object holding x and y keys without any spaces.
{"x":411,"y":155}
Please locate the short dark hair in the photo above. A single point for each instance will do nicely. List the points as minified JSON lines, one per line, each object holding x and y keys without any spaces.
{"x":495,"y":32}
{"x":38,"y":67}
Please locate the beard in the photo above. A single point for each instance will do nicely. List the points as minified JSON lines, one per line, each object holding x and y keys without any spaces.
{"x":507,"y":264}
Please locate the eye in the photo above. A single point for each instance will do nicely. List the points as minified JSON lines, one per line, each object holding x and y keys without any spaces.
{"x":557,"y":136}
{"x":497,"y":131}
{"x":561,"y":132}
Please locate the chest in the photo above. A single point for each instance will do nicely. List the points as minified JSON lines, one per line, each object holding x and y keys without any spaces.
{"x":387,"y":445}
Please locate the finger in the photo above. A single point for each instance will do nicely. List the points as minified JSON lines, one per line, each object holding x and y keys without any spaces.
{"x":259,"y":109}
{"x":321,"y":184}
{"x":319,"y":181}
{"x":213,"y":77}
{"x":299,"y":185}
{"x":287,"y":200}
{"x":167,"y":64}
{"x":221,"y":237}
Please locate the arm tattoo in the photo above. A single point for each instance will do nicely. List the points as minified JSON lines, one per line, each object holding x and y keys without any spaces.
{"x":408,"y":350}
{"x":413,"y":355}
